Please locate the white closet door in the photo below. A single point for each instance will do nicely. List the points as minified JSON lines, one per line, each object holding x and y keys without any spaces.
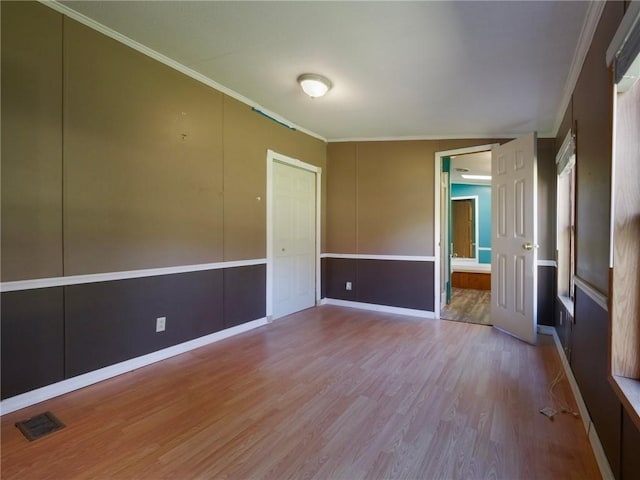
{"x":294,"y":239}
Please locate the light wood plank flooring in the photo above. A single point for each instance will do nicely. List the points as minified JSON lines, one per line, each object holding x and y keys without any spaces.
{"x":330,"y":393}
{"x":468,"y":305}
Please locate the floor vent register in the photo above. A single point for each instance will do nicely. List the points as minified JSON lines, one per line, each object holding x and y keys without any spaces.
{"x":39,"y":426}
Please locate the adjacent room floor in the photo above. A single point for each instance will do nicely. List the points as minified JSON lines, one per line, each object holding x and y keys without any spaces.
{"x":468,"y":305}
{"x":332,"y":393}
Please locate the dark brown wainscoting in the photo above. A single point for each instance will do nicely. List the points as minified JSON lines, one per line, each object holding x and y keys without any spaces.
{"x":55,"y":333}
{"x":546,"y":295}
{"x":396,"y":283}
{"x":32,"y":339}
{"x":340,"y":271}
{"x":110,"y":322}
{"x":589,"y":361}
{"x":244,"y":294}
{"x":630,"y":447}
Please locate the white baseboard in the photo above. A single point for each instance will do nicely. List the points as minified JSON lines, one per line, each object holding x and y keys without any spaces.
{"x":65,"y":386}
{"x":378,"y":308}
{"x":589,"y":427}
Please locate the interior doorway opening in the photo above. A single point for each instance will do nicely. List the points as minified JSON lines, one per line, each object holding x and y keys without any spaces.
{"x":463,"y":234}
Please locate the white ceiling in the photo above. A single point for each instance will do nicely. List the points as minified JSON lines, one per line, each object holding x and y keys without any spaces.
{"x":399,"y":69}
{"x":476,"y":163}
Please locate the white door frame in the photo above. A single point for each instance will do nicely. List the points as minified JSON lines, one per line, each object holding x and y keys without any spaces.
{"x":436,"y":210}
{"x":293,"y":162}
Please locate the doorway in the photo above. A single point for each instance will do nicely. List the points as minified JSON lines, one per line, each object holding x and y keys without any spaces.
{"x":464,"y":227}
{"x":464,"y":233}
{"x":293,"y":235}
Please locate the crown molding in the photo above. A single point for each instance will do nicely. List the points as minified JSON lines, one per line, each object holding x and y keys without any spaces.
{"x":594,"y":12}
{"x":89,"y":22}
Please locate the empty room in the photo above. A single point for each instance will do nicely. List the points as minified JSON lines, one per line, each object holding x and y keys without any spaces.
{"x":309,"y":239}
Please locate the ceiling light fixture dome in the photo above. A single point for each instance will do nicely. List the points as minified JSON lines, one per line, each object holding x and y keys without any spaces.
{"x":314,"y":85}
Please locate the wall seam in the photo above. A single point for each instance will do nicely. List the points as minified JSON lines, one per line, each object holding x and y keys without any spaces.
{"x":224,"y":197}
{"x":357,"y":239}
{"x":357,"y":219}
{"x":62,"y":132}
{"x":224,"y":190}
{"x":62,"y":196}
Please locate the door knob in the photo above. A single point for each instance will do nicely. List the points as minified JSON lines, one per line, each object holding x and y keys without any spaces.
{"x":529,"y":246}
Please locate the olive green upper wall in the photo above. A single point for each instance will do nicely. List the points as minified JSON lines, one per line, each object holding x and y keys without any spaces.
{"x":247,"y":136}
{"x":160,"y":170}
{"x":381,"y":196}
{"x":590,"y":113}
{"x":149,"y":167}
{"x":31,"y":141}
{"x":142,"y":160}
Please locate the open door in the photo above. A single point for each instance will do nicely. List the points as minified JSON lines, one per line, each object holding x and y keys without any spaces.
{"x":514,"y":238}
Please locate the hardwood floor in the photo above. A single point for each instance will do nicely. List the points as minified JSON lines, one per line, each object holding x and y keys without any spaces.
{"x":468,"y":305}
{"x":331,"y":393}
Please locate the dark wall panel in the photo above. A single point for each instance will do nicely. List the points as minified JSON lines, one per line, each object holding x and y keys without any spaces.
{"x":563,"y":324}
{"x":589,"y":362}
{"x":592,"y":112}
{"x":110,"y":322}
{"x":32,"y":340}
{"x":323,"y":278}
{"x":546,"y":198}
{"x":340,"y":271}
{"x":404,"y":284}
{"x":244,"y":294}
{"x":630,"y":449}
{"x":546,"y":295}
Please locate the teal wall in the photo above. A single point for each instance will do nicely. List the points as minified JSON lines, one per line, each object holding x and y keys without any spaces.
{"x":484,"y":214}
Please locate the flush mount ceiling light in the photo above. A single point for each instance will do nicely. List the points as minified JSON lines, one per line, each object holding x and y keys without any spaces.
{"x":314,"y":85}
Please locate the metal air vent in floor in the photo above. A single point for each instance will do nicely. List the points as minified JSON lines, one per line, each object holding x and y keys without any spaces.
{"x":39,"y":426}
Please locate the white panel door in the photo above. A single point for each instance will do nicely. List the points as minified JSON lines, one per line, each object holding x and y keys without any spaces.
{"x":294,"y":239}
{"x":514,"y":278}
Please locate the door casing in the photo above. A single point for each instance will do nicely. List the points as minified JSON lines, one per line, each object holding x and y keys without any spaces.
{"x":438,"y":249}
{"x":278,"y":157}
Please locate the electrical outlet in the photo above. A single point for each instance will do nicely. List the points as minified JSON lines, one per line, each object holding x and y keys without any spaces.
{"x":161,"y":323}
{"x":348,"y":286}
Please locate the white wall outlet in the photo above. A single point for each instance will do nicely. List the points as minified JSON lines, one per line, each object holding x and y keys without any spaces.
{"x":348,"y":286}
{"x":161,"y":323}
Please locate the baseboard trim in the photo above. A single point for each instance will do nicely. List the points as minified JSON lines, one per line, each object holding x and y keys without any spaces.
{"x":590,"y":429}
{"x":69,"y":385}
{"x":378,"y":308}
